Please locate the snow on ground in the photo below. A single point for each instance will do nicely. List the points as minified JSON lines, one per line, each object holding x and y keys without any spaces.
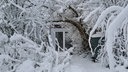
{"x":80,"y":64}
{"x":27,"y":66}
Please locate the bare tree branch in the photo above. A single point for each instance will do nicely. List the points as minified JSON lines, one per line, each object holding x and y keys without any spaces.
{"x":77,"y":15}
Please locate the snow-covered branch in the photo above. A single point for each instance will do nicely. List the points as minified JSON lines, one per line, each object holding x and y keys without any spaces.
{"x":23,"y":9}
{"x":102,"y":17}
{"x":92,"y":13}
{"x":114,"y":26}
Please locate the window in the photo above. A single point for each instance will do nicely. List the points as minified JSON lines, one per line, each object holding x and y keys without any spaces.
{"x":59,"y":35}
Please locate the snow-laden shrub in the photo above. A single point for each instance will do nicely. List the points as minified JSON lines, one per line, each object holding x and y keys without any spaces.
{"x":113,"y":24}
{"x":117,"y":36}
{"x":102,"y":24}
{"x":21,"y":54}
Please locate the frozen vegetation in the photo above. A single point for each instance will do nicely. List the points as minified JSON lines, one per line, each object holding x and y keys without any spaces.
{"x":56,"y":35}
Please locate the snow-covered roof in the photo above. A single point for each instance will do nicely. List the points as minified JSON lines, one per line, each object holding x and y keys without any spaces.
{"x":98,"y":34}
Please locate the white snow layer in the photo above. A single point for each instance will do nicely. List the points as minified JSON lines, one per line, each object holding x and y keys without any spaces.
{"x":80,"y":64}
{"x":26,"y":66}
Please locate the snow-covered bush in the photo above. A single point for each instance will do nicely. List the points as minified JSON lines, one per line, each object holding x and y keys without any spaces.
{"x":102,"y":24}
{"x":113,"y":25}
{"x":21,"y":54}
{"x":117,"y":32}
